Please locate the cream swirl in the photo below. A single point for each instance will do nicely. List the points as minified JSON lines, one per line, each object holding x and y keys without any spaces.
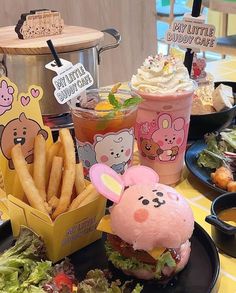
{"x":162,"y":74}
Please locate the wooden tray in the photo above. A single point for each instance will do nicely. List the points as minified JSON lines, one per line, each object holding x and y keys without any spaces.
{"x":73,"y":38}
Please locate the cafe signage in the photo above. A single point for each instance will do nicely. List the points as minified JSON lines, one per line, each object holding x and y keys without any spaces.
{"x":192,"y":33}
{"x":70,"y":81}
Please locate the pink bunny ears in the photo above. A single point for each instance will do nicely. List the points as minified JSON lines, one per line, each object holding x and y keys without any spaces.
{"x":111,"y":185}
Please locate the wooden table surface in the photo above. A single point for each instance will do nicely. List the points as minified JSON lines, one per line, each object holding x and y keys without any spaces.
{"x":223,"y":70}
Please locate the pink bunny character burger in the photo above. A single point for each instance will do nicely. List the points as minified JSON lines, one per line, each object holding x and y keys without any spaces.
{"x":149,"y":225}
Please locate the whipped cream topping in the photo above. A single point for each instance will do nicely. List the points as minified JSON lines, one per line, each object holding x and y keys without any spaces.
{"x":162,"y":74}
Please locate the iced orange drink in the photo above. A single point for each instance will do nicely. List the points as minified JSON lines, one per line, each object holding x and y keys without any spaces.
{"x":163,"y":117}
{"x":104,"y":128}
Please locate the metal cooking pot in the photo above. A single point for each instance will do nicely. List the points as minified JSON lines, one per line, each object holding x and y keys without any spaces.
{"x":26,"y":70}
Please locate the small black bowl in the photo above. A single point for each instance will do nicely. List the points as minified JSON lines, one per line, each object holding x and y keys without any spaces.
{"x":223,"y":234}
{"x":206,"y":123}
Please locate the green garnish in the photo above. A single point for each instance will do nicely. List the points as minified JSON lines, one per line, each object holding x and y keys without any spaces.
{"x":132,"y":101}
{"x":127,"y":103}
{"x":117,"y":105}
{"x":114,"y":102}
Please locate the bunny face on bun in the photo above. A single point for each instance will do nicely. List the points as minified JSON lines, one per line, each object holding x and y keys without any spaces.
{"x":146,"y":216}
{"x":153,"y":215}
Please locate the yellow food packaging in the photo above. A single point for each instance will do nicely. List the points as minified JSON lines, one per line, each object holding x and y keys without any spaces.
{"x":71,"y":230}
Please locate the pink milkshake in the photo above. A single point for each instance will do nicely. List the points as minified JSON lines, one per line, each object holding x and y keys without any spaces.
{"x":163,"y":117}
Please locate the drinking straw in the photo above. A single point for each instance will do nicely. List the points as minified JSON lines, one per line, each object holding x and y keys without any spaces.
{"x":188,"y":59}
{"x":54,"y":53}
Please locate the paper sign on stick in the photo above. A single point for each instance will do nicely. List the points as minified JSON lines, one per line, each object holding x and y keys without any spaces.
{"x":70,"y":81}
{"x":191,"y":32}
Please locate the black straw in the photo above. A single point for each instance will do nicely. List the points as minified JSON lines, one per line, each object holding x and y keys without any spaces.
{"x":188,"y":59}
{"x":54,"y":53}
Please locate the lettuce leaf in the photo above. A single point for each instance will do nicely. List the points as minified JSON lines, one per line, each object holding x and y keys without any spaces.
{"x":124,"y":263}
{"x":213,"y":155}
{"x":39,"y":273}
{"x":96,"y":282}
{"x":229,"y":137}
{"x":137,"y":289}
{"x":33,"y":289}
{"x":22,"y":265}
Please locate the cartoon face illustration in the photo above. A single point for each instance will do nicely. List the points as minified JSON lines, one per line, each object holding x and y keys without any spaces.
{"x":145,"y":128}
{"x":198,"y":67}
{"x":115,"y":149}
{"x":6,"y":97}
{"x":22,"y":131}
{"x":143,"y":205}
{"x":87,"y":155}
{"x":149,"y":148}
{"x":169,"y":136}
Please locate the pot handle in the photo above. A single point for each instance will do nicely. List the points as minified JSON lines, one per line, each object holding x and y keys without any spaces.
{"x":3,"y":70}
{"x":222,"y":226}
{"x":114,"y":33}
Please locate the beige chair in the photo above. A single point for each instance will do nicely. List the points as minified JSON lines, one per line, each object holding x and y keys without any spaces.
{"x":168,"y":13}
{"x":225,"y":44}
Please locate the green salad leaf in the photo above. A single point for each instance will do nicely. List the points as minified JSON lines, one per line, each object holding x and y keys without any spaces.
{"x":96,"y":282}
{"x":23,"y":265}
{"x":229,"y":137}
{"x":33,"y":289}
{"x":213,"y":155}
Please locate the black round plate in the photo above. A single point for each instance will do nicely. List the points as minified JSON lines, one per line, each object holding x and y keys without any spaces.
{"x":200,"y":274}
{"x":203,"y":174}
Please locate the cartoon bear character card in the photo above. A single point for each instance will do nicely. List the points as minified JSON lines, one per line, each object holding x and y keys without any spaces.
{"x":20,"y":122}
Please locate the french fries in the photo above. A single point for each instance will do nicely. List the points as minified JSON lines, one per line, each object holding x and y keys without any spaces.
{"x":68,"y":173}
{"x":61,"y":152}
{"x":56,"y":178}
{"x":27,"y":182}
{"x":90,"y":189}
{"x":52,"y":151}
{"x":40,"y":165}
{"x":79,"y":178}
{"x":53,"y":202}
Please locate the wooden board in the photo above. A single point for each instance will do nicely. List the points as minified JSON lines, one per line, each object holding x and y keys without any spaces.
{"x":72,"y":38}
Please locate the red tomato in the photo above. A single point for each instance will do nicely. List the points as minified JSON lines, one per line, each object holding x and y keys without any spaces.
{"x":61,"y":280}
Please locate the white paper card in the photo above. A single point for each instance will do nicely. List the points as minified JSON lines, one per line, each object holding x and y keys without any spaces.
{"x":192,"y":33}
{"x":70,"y":81}
{"x":53,"y":66}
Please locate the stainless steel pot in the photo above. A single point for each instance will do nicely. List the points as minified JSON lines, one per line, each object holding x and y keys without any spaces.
{"x":26,"y":70}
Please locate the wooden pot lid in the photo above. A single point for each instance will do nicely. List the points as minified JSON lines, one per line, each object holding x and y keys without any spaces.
{"x":73,"y":38}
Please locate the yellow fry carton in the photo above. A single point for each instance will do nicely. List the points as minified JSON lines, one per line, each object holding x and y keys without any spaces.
{"x":20,"y":122}
{"x":70,"y":231}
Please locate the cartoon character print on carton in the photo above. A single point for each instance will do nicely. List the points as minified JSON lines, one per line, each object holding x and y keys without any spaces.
{"x":87,"y":156}
{"x":6,"y":97}
{"x":115,"y":149}
{"x":169,"y":136}
{"x":22,"y":131}
{"x":149,"y":148}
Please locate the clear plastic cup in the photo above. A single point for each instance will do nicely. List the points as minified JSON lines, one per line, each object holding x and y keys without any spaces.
{"x":162,"y":131}
{"x":104,"y":136}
